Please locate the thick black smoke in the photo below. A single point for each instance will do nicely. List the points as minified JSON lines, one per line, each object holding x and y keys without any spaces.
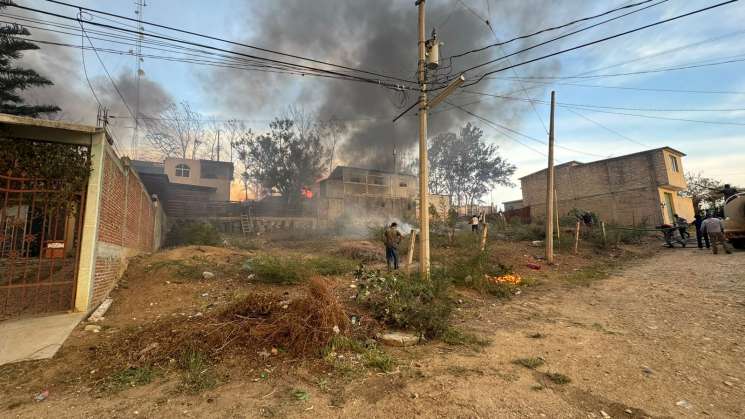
{"x":380,"y":36}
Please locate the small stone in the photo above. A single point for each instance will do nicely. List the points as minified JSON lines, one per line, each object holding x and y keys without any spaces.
{"x":206,"y":294}
{"x":275,"y":351}
{"x":92,"y":328}
{"x":684,"y":404}
{"x":399,"y":339}
{"x":647,"y":370}
{"x":629,"y":411}
{"x":352,"y":286}
{"x":207,"y":275}
{"x":728,"y":384}
{"x":337,"y":330}
{"x":604,"y":415}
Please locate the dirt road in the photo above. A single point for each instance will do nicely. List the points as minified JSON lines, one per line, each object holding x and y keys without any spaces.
{"x":661,"y":338}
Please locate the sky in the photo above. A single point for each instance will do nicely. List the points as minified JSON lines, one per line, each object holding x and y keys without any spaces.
{"x":380,"y":36}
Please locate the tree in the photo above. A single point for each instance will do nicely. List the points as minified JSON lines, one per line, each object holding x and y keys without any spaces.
{"x":13,"y":78}
{"x":464,"y":167}
{"x":176,"y":132}
{"x":704,"y":192}
{"x":286,"y":158}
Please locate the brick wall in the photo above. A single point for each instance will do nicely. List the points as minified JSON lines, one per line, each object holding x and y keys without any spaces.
{"x":622,"y":190}
{"x":127,"y":221}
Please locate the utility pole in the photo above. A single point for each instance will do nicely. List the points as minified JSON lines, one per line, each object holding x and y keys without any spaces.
{"x":423,"y":161}
{"x":218,"y":145}
{"x":550,"y":187}
{"x":138,"y":56}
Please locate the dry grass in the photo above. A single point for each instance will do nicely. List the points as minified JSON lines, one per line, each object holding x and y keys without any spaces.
{"x":301,"y":327}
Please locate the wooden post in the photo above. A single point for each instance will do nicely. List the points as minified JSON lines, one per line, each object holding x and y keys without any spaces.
{"x":550,"y":187}
{"x":605,"y":239}
{"x":410,"y":258}
{"x":556,"y":210}
{"x":576,"y":238}
{"x":483,"y":237}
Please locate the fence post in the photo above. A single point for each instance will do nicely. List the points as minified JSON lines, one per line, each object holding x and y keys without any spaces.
{"x":410,"y":258}
{"x":576,"y":238}
{"x":605,"y":239}
{"x":483,"y":237}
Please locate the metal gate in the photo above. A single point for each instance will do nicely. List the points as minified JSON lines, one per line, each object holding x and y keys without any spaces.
{"x":40,"y":229}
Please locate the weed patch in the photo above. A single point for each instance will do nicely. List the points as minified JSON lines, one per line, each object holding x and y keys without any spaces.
{"x":279,"y":270}
{"x":558,"y":378}
{"x":530,"y":363}
{"x":188,"y":232}
{"x":294,"y":269}
{"x":406,"y":302}
{"x":329,"y":265}
{"x":455,"y":337}
{"x":129,"y":377}
{"x":198,"y":372}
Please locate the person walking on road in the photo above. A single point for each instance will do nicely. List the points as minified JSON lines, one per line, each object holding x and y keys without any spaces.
{"x":714,"y":227}
{"x":475,"y":223}
{"x":682,"y":225}
{"x":701,"y":238}
{"x":392,"y":238}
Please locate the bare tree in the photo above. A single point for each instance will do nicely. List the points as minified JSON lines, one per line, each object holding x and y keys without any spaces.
{"x":330,"y":132}
{"x":177,"y":131}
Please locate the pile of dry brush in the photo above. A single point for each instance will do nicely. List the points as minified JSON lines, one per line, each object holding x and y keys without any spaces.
{"x":302,"y":327}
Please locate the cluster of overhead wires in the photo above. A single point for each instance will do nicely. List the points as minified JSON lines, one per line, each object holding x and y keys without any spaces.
{"x":107,"y":33}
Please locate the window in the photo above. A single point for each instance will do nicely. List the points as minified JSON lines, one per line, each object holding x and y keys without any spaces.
{"x":674,"y":164}
{"x":355,"y":179}
{"x":375,"y":180}
{"x":182,"y":170}
{"x":403,"y":185}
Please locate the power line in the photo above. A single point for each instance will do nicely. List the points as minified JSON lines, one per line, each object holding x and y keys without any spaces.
{"x":231,"y":42}
{"x":609,"y":129}
{"x":622,"y":108}
{"x":586,"y":44}
{"x":108,"y":75}
{"x":732,"y":59}
{"x":520,"y":133}
{"x":313,"y":70}
{"x":553,"y":28}
{"x":600,"y":109}
{"x":641,"y":89}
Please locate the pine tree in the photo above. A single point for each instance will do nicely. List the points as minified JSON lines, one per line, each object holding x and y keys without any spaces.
{"x":13,"y":78}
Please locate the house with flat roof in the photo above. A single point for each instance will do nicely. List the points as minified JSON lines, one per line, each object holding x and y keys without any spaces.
{"x":638,"y":188}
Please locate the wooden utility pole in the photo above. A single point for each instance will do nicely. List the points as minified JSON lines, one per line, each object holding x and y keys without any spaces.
{"x":556,"y":211}
{"x":550,"y":187}
{"x":423,"y":161}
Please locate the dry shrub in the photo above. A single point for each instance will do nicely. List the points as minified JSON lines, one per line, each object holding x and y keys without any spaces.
{"x":302,"y":327}
{"x":362,"y":251}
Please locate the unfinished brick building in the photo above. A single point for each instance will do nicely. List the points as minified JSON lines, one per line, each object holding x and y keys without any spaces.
{"x":639,"y":188}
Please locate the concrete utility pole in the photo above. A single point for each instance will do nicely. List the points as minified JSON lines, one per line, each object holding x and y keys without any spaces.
{"x":550,"y":187}
{"x":423,"y":160}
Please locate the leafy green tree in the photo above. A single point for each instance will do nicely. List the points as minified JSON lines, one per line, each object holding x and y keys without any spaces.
{"x":13,"y":78}
{"x":286,"y":159}
{"x":465,"y":167}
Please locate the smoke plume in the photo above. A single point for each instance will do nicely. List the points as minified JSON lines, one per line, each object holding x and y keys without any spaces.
{"x":382,"y":37}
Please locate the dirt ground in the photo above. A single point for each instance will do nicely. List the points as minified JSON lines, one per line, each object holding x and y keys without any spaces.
{"x":660,"y":337}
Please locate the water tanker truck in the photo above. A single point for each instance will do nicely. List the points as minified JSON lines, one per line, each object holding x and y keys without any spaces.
{"x":734,"y":220}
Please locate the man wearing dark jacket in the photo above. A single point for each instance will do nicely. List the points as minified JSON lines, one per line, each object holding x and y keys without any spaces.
{"x":392,"y":237}
{"x":700,"y":235}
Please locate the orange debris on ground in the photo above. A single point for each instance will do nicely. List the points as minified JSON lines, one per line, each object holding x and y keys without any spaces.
{"x":513,"y":279}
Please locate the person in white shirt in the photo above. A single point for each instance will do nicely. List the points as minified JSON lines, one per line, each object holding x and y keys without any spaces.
{"x":714,"y":227}
{"x":475,"y":224}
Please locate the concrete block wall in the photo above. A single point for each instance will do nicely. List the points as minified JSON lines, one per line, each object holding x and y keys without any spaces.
{"x":622,"y":190}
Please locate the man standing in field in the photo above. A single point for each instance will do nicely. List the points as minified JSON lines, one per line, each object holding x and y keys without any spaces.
{"x":392,"y":238}
{"x":714,"y":227}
